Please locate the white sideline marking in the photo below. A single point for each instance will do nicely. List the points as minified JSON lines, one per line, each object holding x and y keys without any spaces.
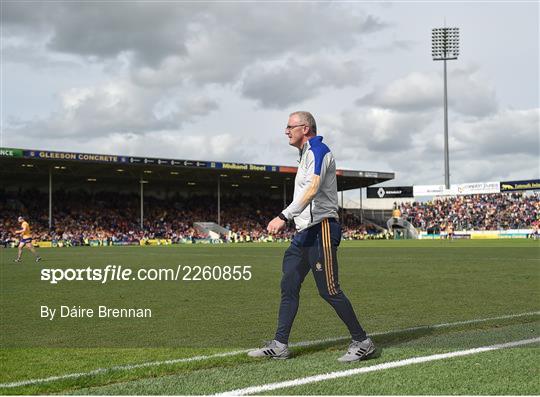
{"x":98,"y":371}
{"x":120,"y":368}
{"x":443,"y":325}
{"x":373,"y":368}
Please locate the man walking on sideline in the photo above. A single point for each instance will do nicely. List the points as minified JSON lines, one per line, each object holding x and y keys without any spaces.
{"x":314,"y":246}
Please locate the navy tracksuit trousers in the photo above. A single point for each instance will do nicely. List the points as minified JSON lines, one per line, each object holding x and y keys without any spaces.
{"x":314,"y":249}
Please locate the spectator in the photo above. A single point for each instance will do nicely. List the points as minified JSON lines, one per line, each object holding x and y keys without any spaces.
{"x":475,"y":212}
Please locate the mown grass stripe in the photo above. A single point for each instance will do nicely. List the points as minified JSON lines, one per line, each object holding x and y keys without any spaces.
{"x":373,"y":368}
{"x":120,"y":368}
{"x":128,"y":367}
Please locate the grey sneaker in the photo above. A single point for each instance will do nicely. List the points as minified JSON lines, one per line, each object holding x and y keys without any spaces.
{"x":272,"y":349}
{"x":358,"y":351}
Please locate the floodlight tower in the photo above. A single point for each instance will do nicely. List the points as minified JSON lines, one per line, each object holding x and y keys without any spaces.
{"x":445,"y":47}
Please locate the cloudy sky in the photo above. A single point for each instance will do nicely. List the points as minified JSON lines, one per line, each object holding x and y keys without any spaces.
{"x":217,"y":80}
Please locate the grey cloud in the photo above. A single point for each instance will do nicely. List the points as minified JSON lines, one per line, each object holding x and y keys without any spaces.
{"x":32,"y":54}
{"x":115,"y":108}
{"x":199,"y":42}
{"x":24,"y":16}
{"x":494,"y":147}
{"x":494,"y":168}
{"x":395,"y":44}
{"x":382,"y":130}
{"x":169,"y":144}
{"x":413,"y":92}
{"x":418,"y":165}
{"x":276,"y":54}
{"x":103,"y":30}
{"x":233,"y":40}
{"x":468,"y":93}
{"x":514,"y":132}
{"x":211,"y":145}
{"x":298,"y":79}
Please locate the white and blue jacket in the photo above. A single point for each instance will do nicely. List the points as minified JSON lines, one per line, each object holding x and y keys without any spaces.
{"x":315,"y":186}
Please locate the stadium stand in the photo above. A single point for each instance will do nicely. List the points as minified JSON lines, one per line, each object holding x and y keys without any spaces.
{"x":112,"y":218}
{"x":499,"y":211}
{"x":83,"y":198}
{"x":82,"y":216}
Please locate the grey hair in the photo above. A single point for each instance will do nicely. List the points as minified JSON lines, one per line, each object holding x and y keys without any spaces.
{"x":308,"y":119}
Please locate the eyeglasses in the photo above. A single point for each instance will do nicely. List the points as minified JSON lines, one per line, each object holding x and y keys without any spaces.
{"x":292,"y":127}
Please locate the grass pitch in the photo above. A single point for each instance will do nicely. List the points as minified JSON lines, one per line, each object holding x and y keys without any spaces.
{"x":393,"y":285}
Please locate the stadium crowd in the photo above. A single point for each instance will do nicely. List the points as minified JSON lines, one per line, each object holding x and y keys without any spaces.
{"x":113,"y":218}
{"x":475,"y":212}
{"x":80,"y":216}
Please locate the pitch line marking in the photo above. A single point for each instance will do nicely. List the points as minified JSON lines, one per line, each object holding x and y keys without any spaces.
{"x":372,"y":368}
{"x":128,"y":367}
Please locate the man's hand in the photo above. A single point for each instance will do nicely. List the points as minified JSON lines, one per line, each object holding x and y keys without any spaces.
{"x":276,"y":225}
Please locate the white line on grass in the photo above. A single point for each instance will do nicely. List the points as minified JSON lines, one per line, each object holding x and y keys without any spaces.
{"x":373,"y":368}
{"x":128,"y":367}
{"x":120,"y":368}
